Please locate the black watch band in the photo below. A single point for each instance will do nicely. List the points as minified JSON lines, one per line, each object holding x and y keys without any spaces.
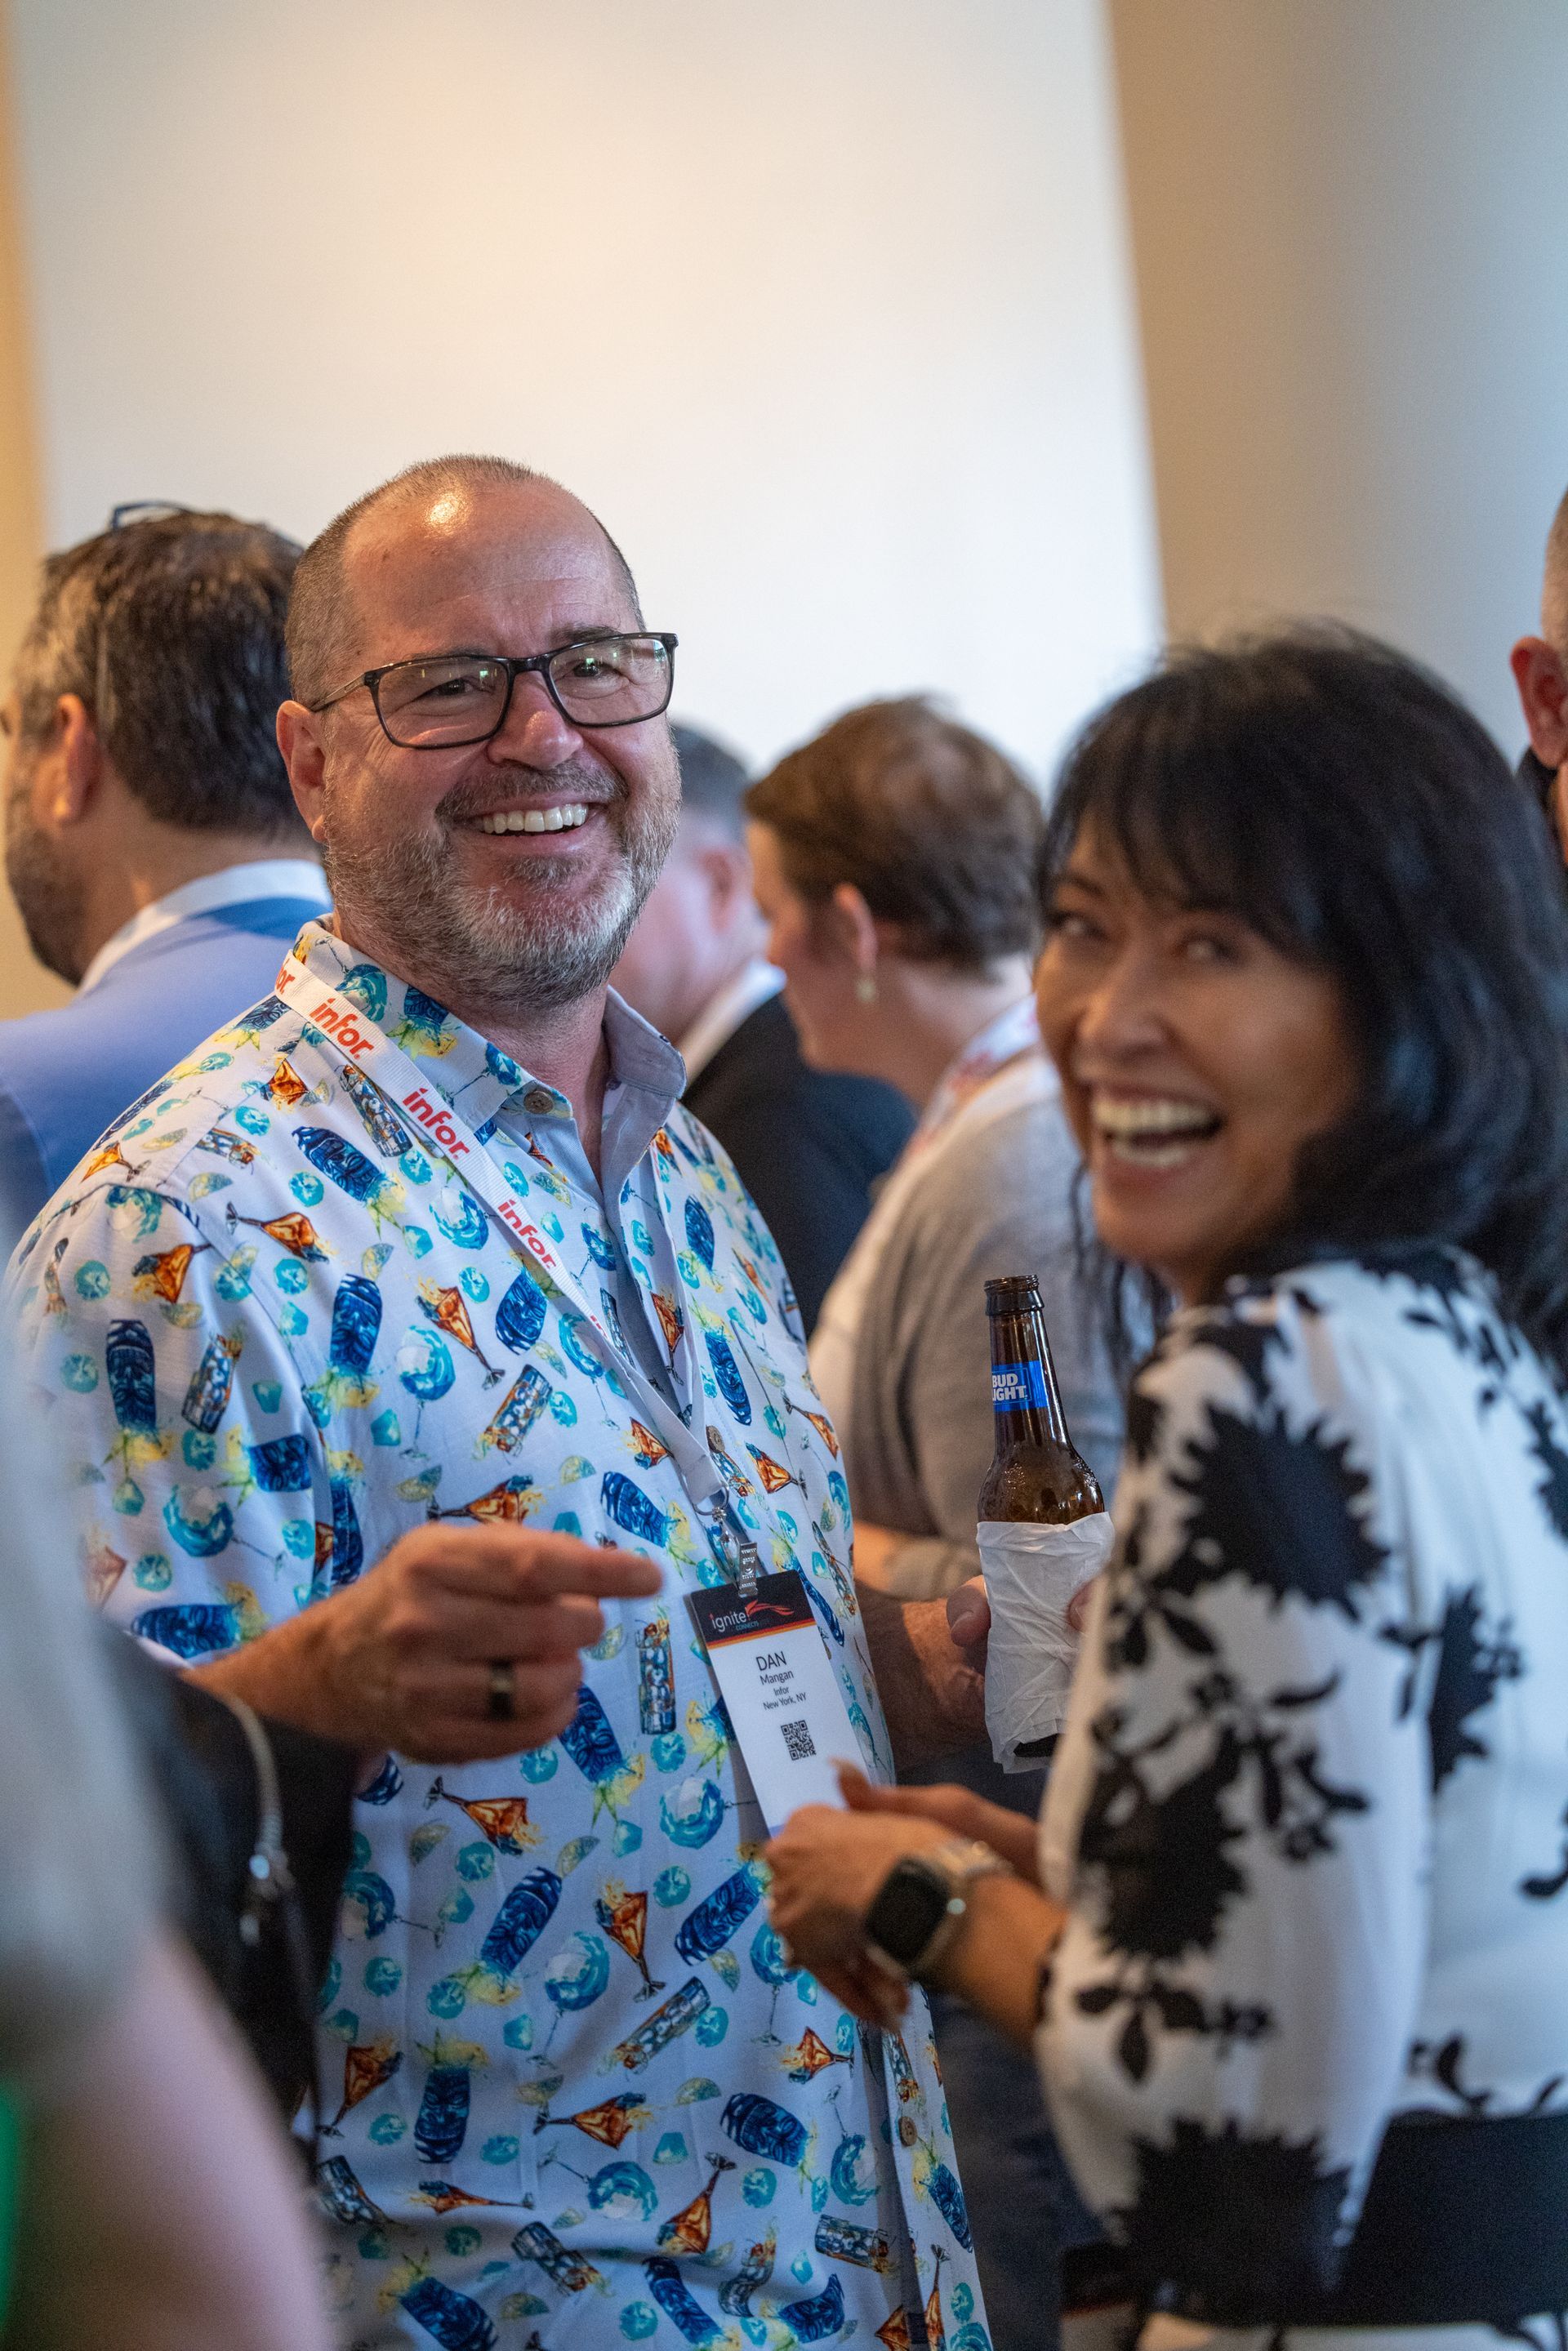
{"x":922,"y":1900}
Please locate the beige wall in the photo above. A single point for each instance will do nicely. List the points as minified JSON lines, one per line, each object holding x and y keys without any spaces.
{"x":826,"y":307}
{"x":1348,"y":226}
{"x":24,"y":985}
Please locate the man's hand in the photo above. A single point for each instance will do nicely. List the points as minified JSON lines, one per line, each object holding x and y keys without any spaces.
{"x":403,"y":1658}
{"x":969,"y":1617}
{"x":934,"y":1701}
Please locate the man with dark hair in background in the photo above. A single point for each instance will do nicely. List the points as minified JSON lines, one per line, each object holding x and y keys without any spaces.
{"x":1540,"y":666}
{"x":809,"y":1144}
{"x":151,"y":842}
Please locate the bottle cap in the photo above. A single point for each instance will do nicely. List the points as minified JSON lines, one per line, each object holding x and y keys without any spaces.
{"x":1014,"y":1293}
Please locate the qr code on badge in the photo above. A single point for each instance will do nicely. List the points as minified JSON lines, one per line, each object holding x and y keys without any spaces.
{"x":797,"y":1738}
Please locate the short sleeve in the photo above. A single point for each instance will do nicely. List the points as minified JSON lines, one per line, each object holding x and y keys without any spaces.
{"x":204,"y":1505}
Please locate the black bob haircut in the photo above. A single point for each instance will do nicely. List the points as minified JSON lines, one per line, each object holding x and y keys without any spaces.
{"x":1347,"y":806}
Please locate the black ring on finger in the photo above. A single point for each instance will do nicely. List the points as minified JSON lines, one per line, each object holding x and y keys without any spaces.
{"x":500,"y":1699}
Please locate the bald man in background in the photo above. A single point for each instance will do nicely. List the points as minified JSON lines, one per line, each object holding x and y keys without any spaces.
{"x":1540,"y":666}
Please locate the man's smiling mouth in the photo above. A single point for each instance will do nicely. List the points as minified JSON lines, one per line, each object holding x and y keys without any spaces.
{"x":536,"y":820}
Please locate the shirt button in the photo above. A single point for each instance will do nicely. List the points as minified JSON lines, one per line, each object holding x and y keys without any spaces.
{"x":539,"y":1100}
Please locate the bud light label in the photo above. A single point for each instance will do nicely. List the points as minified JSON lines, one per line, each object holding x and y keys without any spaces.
{"x":1017,"y":1383}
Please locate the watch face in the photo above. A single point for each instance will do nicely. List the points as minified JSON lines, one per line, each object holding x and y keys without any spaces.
{"x":907,"y":1913}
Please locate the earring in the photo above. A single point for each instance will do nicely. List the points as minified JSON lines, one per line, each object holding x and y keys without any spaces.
{"x":865,"y":987}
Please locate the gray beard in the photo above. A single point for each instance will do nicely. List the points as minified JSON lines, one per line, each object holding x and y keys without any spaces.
{"x":51,"y":899}
{"x":484,"y":950}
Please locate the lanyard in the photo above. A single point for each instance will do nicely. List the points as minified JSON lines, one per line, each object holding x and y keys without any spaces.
{"x":342,"y":1030}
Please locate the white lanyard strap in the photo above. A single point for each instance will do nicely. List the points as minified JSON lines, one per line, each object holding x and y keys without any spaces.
{"x":343,"y":1030}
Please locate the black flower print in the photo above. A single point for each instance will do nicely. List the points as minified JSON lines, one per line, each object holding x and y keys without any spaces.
{"x":1246,"y":2224}
{"x":1553,"y":1492}
{"x":1278,"y":1510}
{"x":1343,"y":1541}
{"x":1469,"y":1667}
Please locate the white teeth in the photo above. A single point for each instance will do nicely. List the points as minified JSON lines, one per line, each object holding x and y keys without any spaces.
{"x":550,"y":820}
{"x":1149,"y":1116}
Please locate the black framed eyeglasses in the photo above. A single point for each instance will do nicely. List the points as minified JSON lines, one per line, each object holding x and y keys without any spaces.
{"x":440,"y":701}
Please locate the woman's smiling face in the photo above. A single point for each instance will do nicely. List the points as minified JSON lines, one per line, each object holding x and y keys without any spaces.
{"x":1196,"y":1061}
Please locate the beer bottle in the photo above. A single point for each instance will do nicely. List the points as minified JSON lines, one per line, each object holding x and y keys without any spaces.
{"x":1036,"y":1473}
{"x":1038,"y":1480}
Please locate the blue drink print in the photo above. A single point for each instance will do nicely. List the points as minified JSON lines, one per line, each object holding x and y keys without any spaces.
{"x":342,"y":2195}
{"x":365,"y":986}
{"x":761,"y":2126}
{"x":599,"y":1251}
{"x":735,"y":2294}
{"x":948,"y":2198}
{"x":338,"y":1160}
{"x":656,"y":1679}
{"x":520,"y":1921}
{"x":726,"y":1372}
{"x":709,"y":1927}
{"x":656,"y":2031}
{"x":356,"y":1324}
{"x":454,"y":2319}
{"x":385,"y":1129}
{"x":813,"y":2320}
{"x":678,"y":2302}
{"x":626,"y":1503}
{"x":846,"y":2240}
{"x":191,"y":1628}
{"x":207,"y":1398}
{"x":520,"y":1316}
{"x":567,"y":2270}
{"x":347,"y":1542}
{"x":699,"y":1232}
{"x":443,"y":2121}
{"x":517,"y":1414}
{"x":282,"y":1465}
{"x":591,"y":1742}
{"x":128,"y":1357}
{"x":825,"y":1617}
{"x":423,"y":1029}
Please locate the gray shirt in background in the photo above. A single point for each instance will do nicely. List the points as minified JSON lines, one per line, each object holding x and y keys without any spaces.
{"x":918,"y":1438}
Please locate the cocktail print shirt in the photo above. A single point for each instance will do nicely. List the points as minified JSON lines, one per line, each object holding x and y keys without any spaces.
{"x":574,"y":2093}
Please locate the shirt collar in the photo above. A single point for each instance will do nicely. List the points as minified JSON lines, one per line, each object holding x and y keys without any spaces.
{"x":458,"y":1060}
{"x":756,"y":983}
{"x":1013,"y":1031}
{"x":232,"y":885}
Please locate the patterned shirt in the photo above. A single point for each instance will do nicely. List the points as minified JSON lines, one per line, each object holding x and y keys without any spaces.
{"x":574,"y":2091}
{"x":1310,"y":1806}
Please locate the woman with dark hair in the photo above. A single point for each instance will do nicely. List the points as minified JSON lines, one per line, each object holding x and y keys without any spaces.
{"x":1294,"y":1947}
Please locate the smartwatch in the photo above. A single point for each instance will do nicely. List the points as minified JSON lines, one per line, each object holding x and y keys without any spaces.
{"x":921,"y":1904}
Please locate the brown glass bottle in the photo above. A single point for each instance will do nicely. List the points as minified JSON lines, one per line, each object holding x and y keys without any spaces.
{"x":1036,"y":1473}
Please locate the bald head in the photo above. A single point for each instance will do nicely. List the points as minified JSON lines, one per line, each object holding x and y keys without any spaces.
{"x":429,"y":514}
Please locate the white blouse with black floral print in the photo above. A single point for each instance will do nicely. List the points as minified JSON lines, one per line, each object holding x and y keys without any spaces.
{"x":1310,"y":1808}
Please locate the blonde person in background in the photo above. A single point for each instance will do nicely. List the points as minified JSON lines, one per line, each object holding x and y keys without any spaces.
{"x":894,"y":858}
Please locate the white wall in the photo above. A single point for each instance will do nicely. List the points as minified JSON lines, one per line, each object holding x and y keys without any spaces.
{"x":825,"y":307}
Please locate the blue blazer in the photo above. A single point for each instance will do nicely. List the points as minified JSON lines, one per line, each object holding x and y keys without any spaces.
{"x":64,"y":1075}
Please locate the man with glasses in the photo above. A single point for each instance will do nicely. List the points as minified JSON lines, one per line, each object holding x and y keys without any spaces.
{"x":151,"y":842}
{"x":410,"y":1322}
